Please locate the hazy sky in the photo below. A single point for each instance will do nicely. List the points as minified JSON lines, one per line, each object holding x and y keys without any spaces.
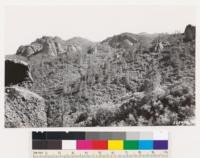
{"x":23,"y":24}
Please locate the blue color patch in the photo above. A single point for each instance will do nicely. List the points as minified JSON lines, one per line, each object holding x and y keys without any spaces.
{"x":145,"y":145}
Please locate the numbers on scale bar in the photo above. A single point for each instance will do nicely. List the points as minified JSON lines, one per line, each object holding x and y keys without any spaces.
{"x":101,"y":154}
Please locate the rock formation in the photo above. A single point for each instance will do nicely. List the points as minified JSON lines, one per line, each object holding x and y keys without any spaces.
{"x":16,"y":72}
{"x":158,"y":47}
{"x":121,"y":41}
{"x":125,"y":80}
{"x":52,"y":46}
{"x":189,"y":33}
{"x":24,"y":108}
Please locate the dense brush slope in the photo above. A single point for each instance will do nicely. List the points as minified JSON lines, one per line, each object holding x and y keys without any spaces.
{"x":124,"y":80}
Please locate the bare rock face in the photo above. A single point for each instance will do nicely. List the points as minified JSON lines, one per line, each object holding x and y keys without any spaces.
{"x":29,"y":50}
{"x":158,"y":47}
{"x":52,"y":46}
{"x":49,"y":45}
{"x":121,"y":41}
{"x":16,"y":71}
{"x":189,"y":33}
{"x":24,"y":108}
{"x":25,"y":51}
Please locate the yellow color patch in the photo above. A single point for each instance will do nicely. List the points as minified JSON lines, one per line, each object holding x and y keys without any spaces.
{"x":115,"y":144}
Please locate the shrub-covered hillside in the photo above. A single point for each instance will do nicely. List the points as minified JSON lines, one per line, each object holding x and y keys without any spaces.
{"x":125,"y":80}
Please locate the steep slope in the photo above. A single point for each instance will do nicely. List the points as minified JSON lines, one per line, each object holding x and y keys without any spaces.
{"x":126,"y":79}
{"x":24,"y":108}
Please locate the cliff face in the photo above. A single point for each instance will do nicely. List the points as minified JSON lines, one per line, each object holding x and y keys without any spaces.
{"x":124,"y":80}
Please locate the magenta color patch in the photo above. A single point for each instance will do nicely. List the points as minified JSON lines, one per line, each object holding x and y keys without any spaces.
{"x":84,"y":145}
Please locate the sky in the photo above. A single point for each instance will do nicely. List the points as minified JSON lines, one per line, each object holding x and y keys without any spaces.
{"x":23,"y":24}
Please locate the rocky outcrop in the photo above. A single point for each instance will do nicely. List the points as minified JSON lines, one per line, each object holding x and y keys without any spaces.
{"x":158,"y":46}
{"x":124,"y":40}
{"x":24,"y":108}
{"x":189,"y":33}
{"x":29,"y":50}
{"x":52,"y":46}
{"x":16,"y":72}
{"x":121,"y":81}
{"x":49,"y":45}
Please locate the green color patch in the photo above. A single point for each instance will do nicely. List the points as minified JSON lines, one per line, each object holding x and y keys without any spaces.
{"x":131,"y":144}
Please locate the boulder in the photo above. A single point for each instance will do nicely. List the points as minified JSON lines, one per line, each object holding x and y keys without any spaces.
{"x":16,"y":72}
{"x":29,"y":50}
{"x":71,"y":48}
{"x":24,"y":108}
{"x":92,"y":50}
{"x":49,"y":45}
{"x":127,"y":43}
{"x":158,"y":47}
{"x":189,"y":33}
{"x":25,"y":51}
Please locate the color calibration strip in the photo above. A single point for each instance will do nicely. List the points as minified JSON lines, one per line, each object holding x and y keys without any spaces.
{"x":100,"y":141}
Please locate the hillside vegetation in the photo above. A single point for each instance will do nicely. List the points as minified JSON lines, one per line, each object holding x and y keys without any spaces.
{"x":125,"y":80}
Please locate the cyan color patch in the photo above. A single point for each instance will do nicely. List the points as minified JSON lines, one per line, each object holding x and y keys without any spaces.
{"x":145,"y":145}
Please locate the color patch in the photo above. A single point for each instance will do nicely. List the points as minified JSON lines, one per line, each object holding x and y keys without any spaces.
{"x":69,"y":144}
{"x":84,"y":145}
{"x":160,"y":144}
{"x":65,"y":135}
{"x":38,"y":135}
{"x":146,"y":136}
{"x":39,"y":144}
{"x":54,"y":144}
{"x":115,"y":144}
{"x":145,"y":145}
{"x":160,"y":135}
{"x":92,"y":136}
{"x":132,"y":136}
{"x":100,"y":145}
{"x":109,"y":136}
{"x":130,"y":144}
